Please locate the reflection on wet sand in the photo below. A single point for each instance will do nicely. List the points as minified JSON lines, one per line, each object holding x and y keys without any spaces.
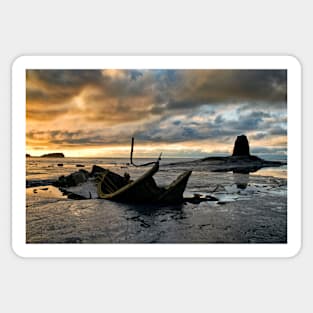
{"x":241,"y":180}
{"x":274,"y":172}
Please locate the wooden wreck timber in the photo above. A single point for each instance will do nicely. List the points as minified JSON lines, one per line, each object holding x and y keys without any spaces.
{"x":114,"y":187}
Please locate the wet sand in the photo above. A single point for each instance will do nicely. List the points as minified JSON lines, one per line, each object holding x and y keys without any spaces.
{"x":250,"y":209}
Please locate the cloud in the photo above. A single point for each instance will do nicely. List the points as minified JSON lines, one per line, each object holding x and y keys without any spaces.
{"x":75,"y":108}
{"x":77,"y":138}
{"x":259,"y":135}
{"x":196,"y":125}
{"x":151,"y":91}
{"x":198,"y":87}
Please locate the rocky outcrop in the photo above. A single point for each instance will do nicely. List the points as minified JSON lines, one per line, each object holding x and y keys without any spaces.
{"x":53,"y":155}
{"x":241,"y":161}
{"x":241,"y":147}
{"x":73,"y":179}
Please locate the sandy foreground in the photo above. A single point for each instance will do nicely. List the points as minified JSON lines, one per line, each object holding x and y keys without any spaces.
{"x":250,"y":209}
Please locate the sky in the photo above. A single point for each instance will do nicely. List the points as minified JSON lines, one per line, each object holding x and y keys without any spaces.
{"x":182,"y":113}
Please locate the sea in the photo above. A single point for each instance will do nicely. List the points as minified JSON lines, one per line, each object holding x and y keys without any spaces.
{"x":250,"y":208}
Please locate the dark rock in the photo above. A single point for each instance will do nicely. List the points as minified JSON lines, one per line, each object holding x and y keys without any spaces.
{"x":240,"y":161}
{"x":73,"y":179}
{"x":60,"y":164}
{"x":74,"y":196}
{"x":241,"y":147}
{"x":53,"y":155}
{"x":79,"y":177}
{"x":61,"y":182}
{"x":197,"y":198}
{"x":80,"y":165}
{"x":28,"y":155}
{"x":38,"y":183}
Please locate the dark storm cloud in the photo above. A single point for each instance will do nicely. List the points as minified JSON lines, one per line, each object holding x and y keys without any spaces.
{"x":155,"y":92}
{"x":229,"y":86}
{"x":53,"y":86}
{"x":155,"y":106}
{"x":65,"y":78}
{"x":243,"y":123}
{"x":223,"y":127}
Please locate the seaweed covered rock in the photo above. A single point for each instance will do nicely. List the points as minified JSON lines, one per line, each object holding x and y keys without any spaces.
{"x":73,"y":179}
{"x":241,"y":147}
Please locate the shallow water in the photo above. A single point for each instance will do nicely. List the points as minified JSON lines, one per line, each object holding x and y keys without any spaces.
{"x":250,"y":208}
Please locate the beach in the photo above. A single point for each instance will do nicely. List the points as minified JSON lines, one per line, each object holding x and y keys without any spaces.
{"x":250,"y":208}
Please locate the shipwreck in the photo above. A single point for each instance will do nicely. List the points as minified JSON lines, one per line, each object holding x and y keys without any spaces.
{"x":112,"y":186}
{"x":104,"y":184}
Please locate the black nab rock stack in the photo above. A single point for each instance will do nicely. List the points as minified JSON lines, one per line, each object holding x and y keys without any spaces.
{"x":241,"y":147}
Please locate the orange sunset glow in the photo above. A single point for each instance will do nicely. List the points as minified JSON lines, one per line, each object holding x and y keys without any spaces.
{"x":183,"y":113}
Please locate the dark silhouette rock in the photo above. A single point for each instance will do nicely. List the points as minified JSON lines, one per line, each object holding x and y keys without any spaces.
{"x":241,"y":161}
{"x":28,"y":155}
{"x":241,"y":147}
{"x":60,"y":164}
{"x":80,"y":165}
{"x":53,"y":155}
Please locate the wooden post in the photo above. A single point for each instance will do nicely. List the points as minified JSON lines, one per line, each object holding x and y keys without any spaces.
{"x":131,"y":151}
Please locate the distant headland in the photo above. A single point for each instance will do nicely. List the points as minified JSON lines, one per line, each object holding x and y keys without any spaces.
{"x":53,"y":155}
{"x":49,"y":155}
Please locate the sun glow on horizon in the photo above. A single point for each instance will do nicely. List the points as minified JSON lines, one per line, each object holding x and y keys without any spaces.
{"x":181,"y":113}
{"x":141,"y":150}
